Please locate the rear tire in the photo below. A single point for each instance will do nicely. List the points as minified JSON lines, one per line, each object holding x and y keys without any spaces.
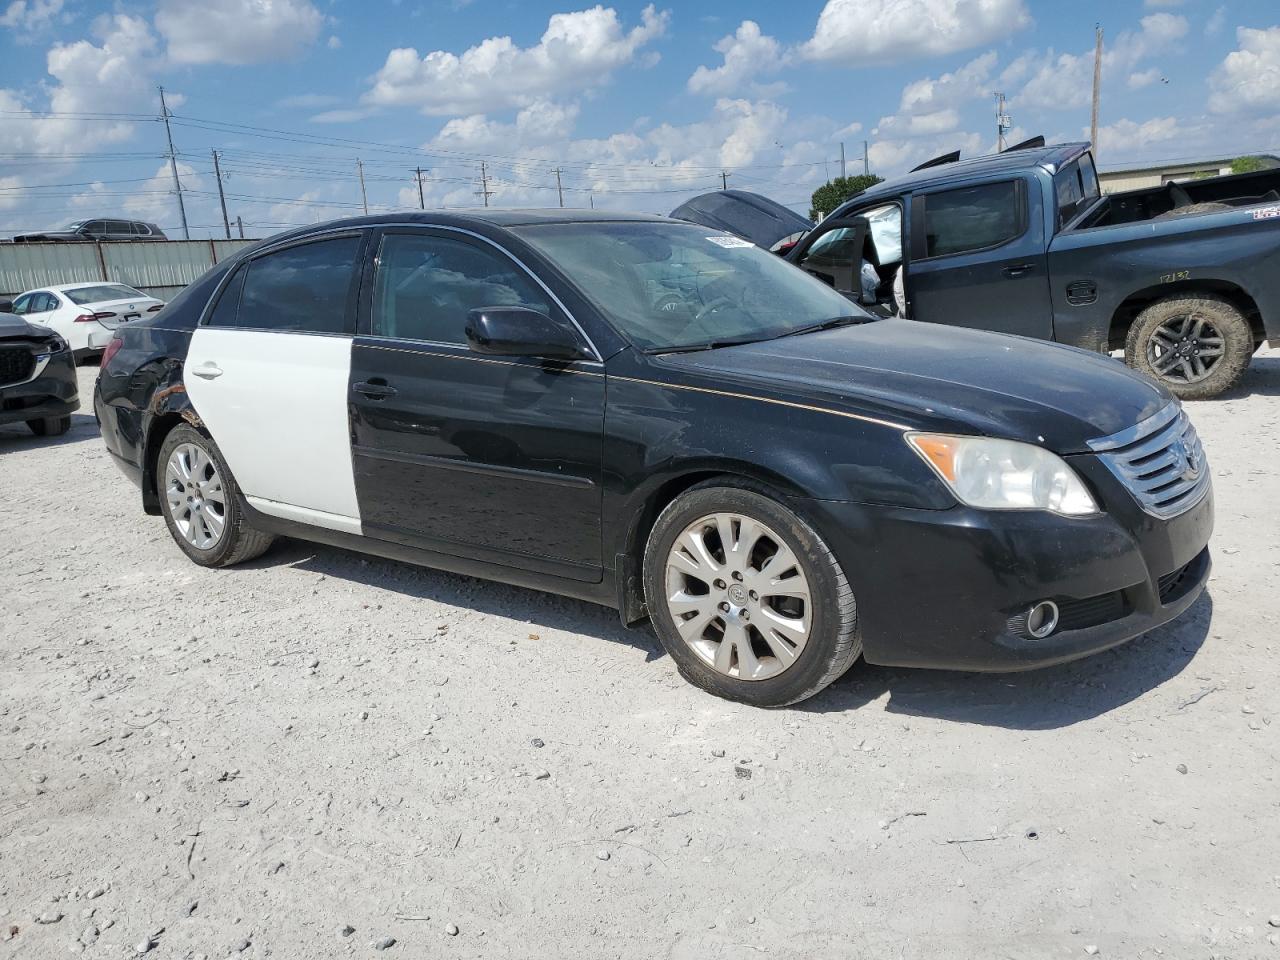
{"x":776,"y":558}
{"x":1155,"y":330}
{"x":50,"y":426}
{"x":201,"y":502}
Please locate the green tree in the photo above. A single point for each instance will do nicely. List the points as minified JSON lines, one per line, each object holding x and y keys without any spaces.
{"x":835,"y":192}
{"x":1247,"y":164}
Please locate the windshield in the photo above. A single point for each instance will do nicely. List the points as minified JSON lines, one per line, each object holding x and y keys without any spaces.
{"x":671,"y":286}
{"x":76,"y":225}
{"x":106,"y":291}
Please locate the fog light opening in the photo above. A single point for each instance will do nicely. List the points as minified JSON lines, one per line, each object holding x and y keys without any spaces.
{"x":1042,"y":619}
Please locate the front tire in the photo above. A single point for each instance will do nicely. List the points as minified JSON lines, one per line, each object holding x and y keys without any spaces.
{"x":201,"y":502}
{"x":1197,"y":345}
{"x":50,"y":426}
{"x":747,"y":598}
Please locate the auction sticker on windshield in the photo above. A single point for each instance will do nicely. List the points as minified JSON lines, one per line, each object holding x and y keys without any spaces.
{"x":729,"y":242}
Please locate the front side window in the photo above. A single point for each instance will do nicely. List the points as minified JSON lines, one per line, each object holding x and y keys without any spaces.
{"x":971,"y":218}
{"x":672,"y":286}
{"x":308,"y":288}
{"x":426,"y":285}
{"x":23,"y":303}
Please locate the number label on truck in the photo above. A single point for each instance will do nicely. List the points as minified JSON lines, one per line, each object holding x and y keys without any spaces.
{"x":1266,"y":213}
{"x":1175,"y":277}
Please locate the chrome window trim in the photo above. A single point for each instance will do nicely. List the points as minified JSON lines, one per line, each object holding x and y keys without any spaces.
{"x":421,"y":225}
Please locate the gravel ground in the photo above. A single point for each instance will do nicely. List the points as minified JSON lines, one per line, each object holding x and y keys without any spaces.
{"x":316,"y":753}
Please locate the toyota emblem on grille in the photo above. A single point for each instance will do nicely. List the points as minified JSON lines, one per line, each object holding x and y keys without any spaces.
{"x":1185,"y":459}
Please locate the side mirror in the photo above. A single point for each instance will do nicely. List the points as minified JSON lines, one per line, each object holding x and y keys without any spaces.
{"x":520,"y":332}
{"x":6,"y":306}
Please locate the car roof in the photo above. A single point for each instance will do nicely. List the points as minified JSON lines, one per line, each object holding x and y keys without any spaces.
{"x":1049,"y":158}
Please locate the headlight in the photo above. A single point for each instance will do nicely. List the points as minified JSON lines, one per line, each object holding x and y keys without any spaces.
{"x":1004,"y":474}
{"x":56,"y":344}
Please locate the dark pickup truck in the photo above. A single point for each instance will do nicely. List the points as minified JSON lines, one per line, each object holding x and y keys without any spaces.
{"x":1185,"y":278}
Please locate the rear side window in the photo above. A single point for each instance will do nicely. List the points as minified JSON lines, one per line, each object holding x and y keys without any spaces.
{"x":427,"y":284}
{"x":308,"y":288}
{"x":972,"y":218}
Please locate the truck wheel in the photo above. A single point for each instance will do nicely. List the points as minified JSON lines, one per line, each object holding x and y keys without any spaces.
{"x":1197,"y":345}
{"x":747,"y":598}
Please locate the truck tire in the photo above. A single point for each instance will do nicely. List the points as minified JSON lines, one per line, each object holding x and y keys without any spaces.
{"x":1197,"y":345}
{"x":1192,"y":210}
{"x":50,"y":426}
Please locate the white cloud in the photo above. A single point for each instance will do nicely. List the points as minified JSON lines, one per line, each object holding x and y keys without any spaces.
{"x":951,"y":89}
{"x":1129,"y":137}
{"x":30,"y":15}
{"x":237,"y":31}
{"x":1142,"y":79}
{"x":154,"y":200}
{"x":890,"y":157}
{"x":541,"y":122}
{"x":339,"y":116}
{"x":1065,"y":81}
{"x":1215,"y":23}
{"x":1164,"y":3}
{"x":747,"y":53}
{"x":1249,"y":77}
{"x":863,"y":31}
{"x":334,"y":42}
{"x":918,"y":124}
{"x":577,"y":50}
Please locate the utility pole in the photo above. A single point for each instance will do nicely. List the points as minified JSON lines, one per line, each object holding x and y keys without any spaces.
{"x":559,"y":188}
{"x":866,"y":161}
{"x":173,"y":167}
{"x":1003,"y":122}
{"x":1097,"y":83}
{"x":217,"y":173}
{"x":484,"y":190}
{"x":842,"y":170}
{"x":364,"y":198}
{"x":422,"y":204}
{"x":724,"y":180}
{"x":240,"y":226}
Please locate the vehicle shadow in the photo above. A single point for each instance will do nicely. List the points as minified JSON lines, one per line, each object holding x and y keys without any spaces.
{"x":1262,"y":379}
{"x":536,"y":608}
{"x":1035,"y":700}
{"x":18,"y":436}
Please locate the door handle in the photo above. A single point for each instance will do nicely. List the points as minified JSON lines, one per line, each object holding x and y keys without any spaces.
{"x":208,"y":370}
{"x":1018,"y":269}
{"x":374,"y":389}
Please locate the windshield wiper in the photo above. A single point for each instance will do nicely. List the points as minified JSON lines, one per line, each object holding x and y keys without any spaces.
{"x":708,"y":345}
{"x":831,"y":324}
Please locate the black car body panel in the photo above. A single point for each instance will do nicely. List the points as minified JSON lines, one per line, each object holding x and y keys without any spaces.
{"x":550,"y":474}
{"x":37,"y":372}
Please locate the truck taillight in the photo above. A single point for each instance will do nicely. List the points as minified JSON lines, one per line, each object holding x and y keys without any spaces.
{"x":112,"y":349}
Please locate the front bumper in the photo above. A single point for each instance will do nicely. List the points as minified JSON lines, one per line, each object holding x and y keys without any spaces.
{"x":51,"y":393}
{"x":945,"y":588}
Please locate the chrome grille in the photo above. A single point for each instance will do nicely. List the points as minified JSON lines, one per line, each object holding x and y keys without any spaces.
{"x":1160,"y":461}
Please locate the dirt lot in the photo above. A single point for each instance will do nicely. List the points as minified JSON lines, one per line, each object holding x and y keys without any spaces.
{"x":250,"y":762}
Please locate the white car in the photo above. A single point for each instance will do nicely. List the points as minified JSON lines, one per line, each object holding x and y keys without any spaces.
{"x":85,"y":314}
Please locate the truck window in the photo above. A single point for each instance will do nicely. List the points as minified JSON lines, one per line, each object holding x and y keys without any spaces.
{"x":972,"y":218}
{"x":1076,"y":186}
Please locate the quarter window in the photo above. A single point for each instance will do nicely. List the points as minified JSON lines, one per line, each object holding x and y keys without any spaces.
{"x":426,"y":285}
{"x":972,"y":218}
{"x":307,"y":288}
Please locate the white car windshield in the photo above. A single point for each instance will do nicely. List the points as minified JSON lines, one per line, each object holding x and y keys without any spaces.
{"x":101,"y":292}
{"x":674,"y":286}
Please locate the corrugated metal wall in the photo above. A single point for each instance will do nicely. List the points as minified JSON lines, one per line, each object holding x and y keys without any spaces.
{"x":158,"y":267}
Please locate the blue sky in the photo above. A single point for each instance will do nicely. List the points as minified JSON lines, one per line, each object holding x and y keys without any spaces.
{"x":639,"y":106}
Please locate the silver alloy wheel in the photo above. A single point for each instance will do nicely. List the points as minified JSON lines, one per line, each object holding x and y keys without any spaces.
{"x":1185,"y":349}
{"x":194,"y":495}
{"x":738,"y":596}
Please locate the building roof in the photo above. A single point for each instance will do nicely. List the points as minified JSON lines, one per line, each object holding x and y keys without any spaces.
{"x":1179,"y":164}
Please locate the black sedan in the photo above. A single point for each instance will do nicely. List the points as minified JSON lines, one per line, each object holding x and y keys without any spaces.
{"x":666,"y":419}
{"x":37,"y":377}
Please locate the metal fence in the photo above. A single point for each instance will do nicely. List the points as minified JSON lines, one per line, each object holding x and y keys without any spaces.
{"x":158,"y":267}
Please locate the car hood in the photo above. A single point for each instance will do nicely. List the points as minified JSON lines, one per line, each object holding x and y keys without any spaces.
{"x":947,"y":379}
{"x":13,"y":327}
{"x":748,"y":215}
